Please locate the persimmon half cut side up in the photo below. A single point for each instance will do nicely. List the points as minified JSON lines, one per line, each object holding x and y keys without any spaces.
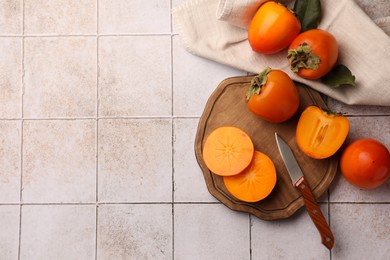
{"x":319,"y":133}
{"x":254,"y":183}
{"x":228,"y":151}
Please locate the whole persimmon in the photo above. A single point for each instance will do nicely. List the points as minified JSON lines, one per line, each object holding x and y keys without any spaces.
{"x":365,"y":163}
{"x":273,"y":96}
{"x":313,"y":53}
{"x":272,"y":28}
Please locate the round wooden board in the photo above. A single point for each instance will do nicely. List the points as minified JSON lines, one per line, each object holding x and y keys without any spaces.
{"x":227,"y":107}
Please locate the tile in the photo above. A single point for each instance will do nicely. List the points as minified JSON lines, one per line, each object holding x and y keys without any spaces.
{"x":189,"y":183}
{"x":361,"y":231}
{"x":60,"y":17}
{"x":375,"y":127}
{"x":58,"y":232}
{"x":10,"y":156}
{"x":137,"y":16}
{"x":343,"y":191}
{"x":59,"y":161}
{"x":292,"y":238}
{"x":210,"y":231}
{"x":135,"y":76}
{"x":348,"y":110}
{"x":194,"y":79}
{"x":138,"y":231}
{"x":135,"y":160}
{"x":10,"y":77}
{"x":9,"y":235}
{"x":60,"y":77}
{"x":11,"y":17}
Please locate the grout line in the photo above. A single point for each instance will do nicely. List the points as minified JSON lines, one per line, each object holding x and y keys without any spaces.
{"x":97,"y":17}
{"x":372,"y":115}
{"x":250,"y":236}
{"x":11,"y":36}
{"x":21,"y":189}
{"x":173,"y":187}
{"x":96,"y":230}
{"x":103,"y":117}
{"x":59,"y":118}
{"x":136,"y":34}
{"x":57,"y":203}
{"x":97,"y":131}
{"x":55,"y":35}
{"x":328,"y":205}
{"x":173,"y":136}
{"x":84,"y":35}
{"x":163,"y":203}
{"x":21,"y":134}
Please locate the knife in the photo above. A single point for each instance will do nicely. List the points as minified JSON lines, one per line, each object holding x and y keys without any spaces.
{"x":298,"y":180}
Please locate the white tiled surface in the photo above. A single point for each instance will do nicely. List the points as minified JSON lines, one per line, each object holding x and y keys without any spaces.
{"x":99,"y":105}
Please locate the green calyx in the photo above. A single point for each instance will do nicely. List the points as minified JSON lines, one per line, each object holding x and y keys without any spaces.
{"x":258,"y":82}
{"x":302,"y":57}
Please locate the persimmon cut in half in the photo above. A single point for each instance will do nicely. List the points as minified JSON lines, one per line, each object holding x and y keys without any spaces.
{"x":227,"y":151}
{"x":255,"y":182}
{"x":320,"y":133}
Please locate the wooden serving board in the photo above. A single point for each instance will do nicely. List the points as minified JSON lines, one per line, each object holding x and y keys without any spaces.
{"x":227,"y":107}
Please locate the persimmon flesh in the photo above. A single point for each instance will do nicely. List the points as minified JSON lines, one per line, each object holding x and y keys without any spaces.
{"x":227,"y":151}
{"x":319,"y":133}
{"x":254,"y":183}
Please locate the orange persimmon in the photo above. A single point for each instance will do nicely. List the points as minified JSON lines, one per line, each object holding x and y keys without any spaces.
{"x":255,"y":182}
{"x":313,"y":53}
{"x":365,"y":163}
{"x":227,"y":151}
{"x":273,"y":96}
{"x":272,"y":28}
{"x":320,"y":133}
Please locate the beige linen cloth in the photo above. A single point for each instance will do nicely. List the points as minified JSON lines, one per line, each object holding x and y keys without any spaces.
{"x":216,"y":30}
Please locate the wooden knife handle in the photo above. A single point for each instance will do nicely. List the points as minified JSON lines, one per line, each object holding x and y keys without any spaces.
{"x":315,"y":213}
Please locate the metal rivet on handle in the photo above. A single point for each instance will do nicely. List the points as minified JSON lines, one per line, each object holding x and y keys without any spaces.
{"x":327,"y":239}
{"x":315,"y":212}
{"x":303,"y":186}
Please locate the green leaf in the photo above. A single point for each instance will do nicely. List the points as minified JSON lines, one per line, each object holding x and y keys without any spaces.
{"x":308,"y":13}
{"x":339,"y":75}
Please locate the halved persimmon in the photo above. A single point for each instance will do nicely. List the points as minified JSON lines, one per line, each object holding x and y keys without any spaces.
{"x":320,"y":133}
{"x":227,"y":151}
{"x":255,"y":182}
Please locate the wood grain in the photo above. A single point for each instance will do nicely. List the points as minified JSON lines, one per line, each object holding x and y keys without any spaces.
{"x":227,"y":107}
{"x":315,"y":213}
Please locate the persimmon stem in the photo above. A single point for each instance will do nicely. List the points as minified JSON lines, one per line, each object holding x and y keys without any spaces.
{"x":302,"y":57}
{"x":257,"y":83}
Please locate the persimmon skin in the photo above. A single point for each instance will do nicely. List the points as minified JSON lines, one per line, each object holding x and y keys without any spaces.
{"x":324,"y":46}
{"x":320,"y":134}
{"x":227,"y":151}
{"x":278,"y":99}
{"x":254,"y":183}
{"x":272,"y":28}
{"x":365,"y":163}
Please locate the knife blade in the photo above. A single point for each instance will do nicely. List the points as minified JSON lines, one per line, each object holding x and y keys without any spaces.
{"x":298,"y":180}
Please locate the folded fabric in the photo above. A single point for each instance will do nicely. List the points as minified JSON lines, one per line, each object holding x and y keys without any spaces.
{"x":215,"y":29}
